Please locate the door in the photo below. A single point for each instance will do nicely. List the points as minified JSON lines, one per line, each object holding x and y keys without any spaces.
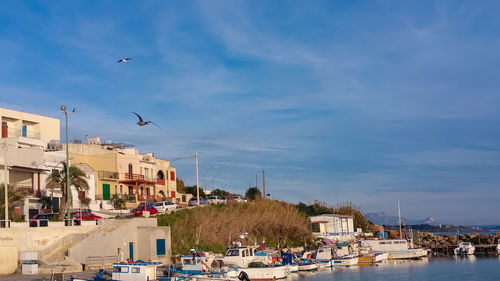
{"x":105,"y":191}
{"x":131,"y":251}
{"x":5,"y":130}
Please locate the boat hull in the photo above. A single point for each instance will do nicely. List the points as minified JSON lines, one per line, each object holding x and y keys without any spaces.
{"x":345,"y":261}
{"x":265,"y":273}
{"x":308,"y":266}
{"x":373,"y":259}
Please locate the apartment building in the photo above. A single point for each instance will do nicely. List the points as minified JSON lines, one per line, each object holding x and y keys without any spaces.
{"x":121,"y":169}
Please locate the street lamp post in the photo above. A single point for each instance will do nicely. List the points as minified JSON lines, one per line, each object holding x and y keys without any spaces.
{"x":206,"y":172}
{"x":197,"y":183}
{"x":68,"y":197}
{"x":213,"y":186}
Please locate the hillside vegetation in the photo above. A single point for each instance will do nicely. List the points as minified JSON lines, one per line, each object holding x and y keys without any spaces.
{"x":211,"y":227}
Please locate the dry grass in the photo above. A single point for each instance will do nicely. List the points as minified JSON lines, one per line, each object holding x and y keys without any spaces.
{"x":210,"y":227}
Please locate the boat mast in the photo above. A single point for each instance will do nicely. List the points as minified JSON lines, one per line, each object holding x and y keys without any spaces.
{"x":399,"y":215}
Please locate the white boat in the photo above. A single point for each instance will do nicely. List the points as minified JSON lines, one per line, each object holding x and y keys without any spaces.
{"x":135,"y":271}
{"x":294,"y":267}
{"x":261,"y":273}
{"x":308,"y":266}
{"x":345,"y":261}
{"x":464,"y":248}
{"x":396,"y":248}
{"x":197,"y":263}
{"x":242,"y":257}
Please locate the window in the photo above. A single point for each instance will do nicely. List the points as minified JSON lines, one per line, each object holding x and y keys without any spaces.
{"x":136,"y":269}
{"x":243,"y":254}
{"x":123,"y":269}
{"x":187,"y":261}
{"x":160,"y":247}
{"x":315,"y":227}
{"x":232,"y":253}
{"x":172,"y":175}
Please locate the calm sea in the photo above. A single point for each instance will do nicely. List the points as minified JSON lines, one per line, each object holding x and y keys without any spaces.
{"x":443,"y":268}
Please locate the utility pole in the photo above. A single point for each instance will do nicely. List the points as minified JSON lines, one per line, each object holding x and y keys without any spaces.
{"x":197,"y":185}
{"x":264,"y":182}
{"x":399,"y":214}
{"x":256,"y":185}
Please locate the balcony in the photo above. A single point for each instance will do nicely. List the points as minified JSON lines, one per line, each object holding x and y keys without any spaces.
{"x":160,"y":181}
{"x":12,"y":132}
{"x":108,"y":175}
{"x":129,"y":176}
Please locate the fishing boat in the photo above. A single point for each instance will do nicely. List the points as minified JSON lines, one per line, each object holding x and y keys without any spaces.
{"x":134,"y":271}
{"x":464,"y":248}
{"x":346,"y":260}
{"x":373,"y":258}
{"x":256,"y":265}
{"x":396,"y":248}
{"x":307,"y":266}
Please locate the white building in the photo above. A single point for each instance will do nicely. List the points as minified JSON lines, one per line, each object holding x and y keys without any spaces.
{"x":334,"y":227}
{"x":24,"y":143}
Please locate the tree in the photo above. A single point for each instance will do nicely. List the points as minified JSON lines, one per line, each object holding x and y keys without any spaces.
{"x":253,"y":193}
{"x":192,"y":190}
{"x":118,"y":203}
{"x":16,"y":197}
{"x":85,"y":202}
{"x":219,"y":192}
{"x":57,"y":180}
{"x":180,"y":185}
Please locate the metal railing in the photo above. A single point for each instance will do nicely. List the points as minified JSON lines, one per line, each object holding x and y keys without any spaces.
{"x":12,"y":132}
{"x":39,"y":222}
{"x":108,"y":175}
{"x":134,"y":176}
{"x":5,"y":223}
{"x":100,"y":260}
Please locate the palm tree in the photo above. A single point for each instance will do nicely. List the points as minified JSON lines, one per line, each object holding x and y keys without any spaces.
{"x":16,"y":198}
{"x":57,"y":180}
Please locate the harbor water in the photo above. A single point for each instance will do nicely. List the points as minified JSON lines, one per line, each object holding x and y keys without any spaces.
{"x":429,"y":269}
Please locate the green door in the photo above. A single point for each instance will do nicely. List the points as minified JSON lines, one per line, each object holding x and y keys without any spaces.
{"x":105,"y":191}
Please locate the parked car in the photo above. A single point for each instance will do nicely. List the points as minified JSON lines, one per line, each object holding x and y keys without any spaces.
{"x":145,"y":206}
{"x":84,"y":215}
{"x":165,"y":206}
{"x":193,"y":201}
{"x":41,"y":220}
{"x":215,"y":200}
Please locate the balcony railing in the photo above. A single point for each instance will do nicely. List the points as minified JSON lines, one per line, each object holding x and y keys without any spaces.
{"x":134,"y":176}
{"x":160,"y":181}
{"x":12,"y":132}
{"x":108,"y":175}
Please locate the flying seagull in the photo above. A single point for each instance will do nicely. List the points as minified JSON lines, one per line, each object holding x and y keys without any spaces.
{"x":124,"y":60}
{"x":143,"y":123}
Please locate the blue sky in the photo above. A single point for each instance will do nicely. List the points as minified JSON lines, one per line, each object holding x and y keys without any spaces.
{"x":362,"y":101}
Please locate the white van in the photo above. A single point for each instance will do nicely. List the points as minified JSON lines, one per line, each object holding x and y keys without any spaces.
{"x":165,"y":206}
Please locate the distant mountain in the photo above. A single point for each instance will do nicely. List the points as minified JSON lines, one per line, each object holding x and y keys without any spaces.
{"x":384,"y":218}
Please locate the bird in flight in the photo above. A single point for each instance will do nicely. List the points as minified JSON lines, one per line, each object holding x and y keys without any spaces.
{"x":144,"y":123}
{"x":124,"y":60}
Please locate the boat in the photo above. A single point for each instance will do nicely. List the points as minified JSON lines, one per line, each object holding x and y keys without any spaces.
{"x":255,"y":264}
{"x":396,"y":248}
{"x":195,"y":264}
{"x":346,"y":260}
{"x":373,"y":258}
{"x":132,"y":271}
{"x":464,"y":248}
{"x":307,"y":266}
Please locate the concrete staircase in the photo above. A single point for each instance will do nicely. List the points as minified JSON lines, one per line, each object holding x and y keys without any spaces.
{"x":55,"y":257}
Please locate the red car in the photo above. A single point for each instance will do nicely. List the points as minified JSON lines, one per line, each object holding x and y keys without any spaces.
{"x":85,"y":215}
{"x":145,"y":206}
